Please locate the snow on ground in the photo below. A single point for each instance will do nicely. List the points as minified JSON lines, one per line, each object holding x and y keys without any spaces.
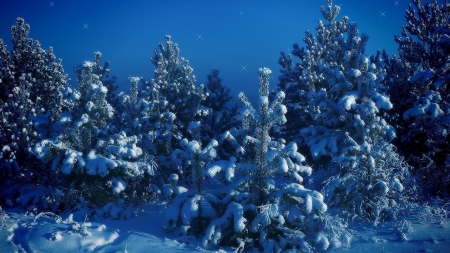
{"x":23,"y":232}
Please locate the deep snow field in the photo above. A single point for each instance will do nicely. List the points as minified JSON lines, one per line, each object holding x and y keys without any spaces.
{"x":423,"y":231}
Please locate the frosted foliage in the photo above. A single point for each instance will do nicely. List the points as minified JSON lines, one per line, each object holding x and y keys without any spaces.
{"x":123,"y":147}
{"x":426,"y":107}
{"x":377,"y":173}
{"x":226,"y":169}
{"x":117,"y":185}
{"x":69,"y":162}
{"x":99,"y":165}
{"x":234,"y":213}
{"x":198,"y":158}
{"x":89,"y":106}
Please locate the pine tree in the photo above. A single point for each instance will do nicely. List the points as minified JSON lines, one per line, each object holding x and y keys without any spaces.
{"x":218,"y":96}
{"x":33,"y":96}
{"x":76,"y":150}
{"x":175,"y":84}
{"x":423,"y":106}
{"x":340,"y":95}
{"x":31,"y":86}
{"x":265,"y":202}
{"x":191,"y":210}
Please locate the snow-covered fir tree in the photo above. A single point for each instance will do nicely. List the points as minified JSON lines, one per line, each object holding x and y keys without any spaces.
{"x":423,"y":105}
{"x":82,"y":124}
{"x":339,"y":95}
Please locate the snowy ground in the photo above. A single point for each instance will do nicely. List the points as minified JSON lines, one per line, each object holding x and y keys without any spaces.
{"x":22,"y":232}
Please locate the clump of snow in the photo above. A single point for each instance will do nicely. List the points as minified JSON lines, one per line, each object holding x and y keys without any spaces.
{"x":321,"y":241}
{"x":88,"y":64}
{"x":265,"y":71}
{"x":117,"y":185}
{"x":89,"y":106}
{"x":69,"y":162}
{"x":348,"y":101}
{"x":97,"y":164}
{"x":194,"y":125}
{"x":382,"y":101}
{"x":222,"y":166}
{"x":84,"y":119}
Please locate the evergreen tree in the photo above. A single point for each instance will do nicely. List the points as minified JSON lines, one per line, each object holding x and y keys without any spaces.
{"x":31,"y":86}
{"x":260,"y":205}
{"x":340,"y":95}
{"x":76,"y":151}
{"x":173,"y":102}
{"x":421,"y":92}
{"x":175,"y":84}
{"x":218,"y":96}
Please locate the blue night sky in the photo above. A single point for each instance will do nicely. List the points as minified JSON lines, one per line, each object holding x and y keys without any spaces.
{"x":223,"y":34}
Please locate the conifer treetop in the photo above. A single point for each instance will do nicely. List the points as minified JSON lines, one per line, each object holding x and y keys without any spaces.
{"x":330,"y":13}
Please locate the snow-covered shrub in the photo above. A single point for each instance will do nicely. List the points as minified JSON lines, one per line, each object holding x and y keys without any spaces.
{"x":191,"y":210}
{"x":373,"y":184}
{"x":117,"y":210}
{"x":339,"y":100}
{"x":436,"y":212}
{"x":405,"y":228}
{"x":423,"y":109}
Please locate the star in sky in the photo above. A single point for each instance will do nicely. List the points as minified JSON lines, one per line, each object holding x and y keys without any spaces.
{"x":199,"y":36}
{"x":242,"y":13}
{"x":244,"y":68}
{"x":383,"y":14}
{"x":52,"y":3}
{"x":395,"y":2}
{"x":85,"y":26}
